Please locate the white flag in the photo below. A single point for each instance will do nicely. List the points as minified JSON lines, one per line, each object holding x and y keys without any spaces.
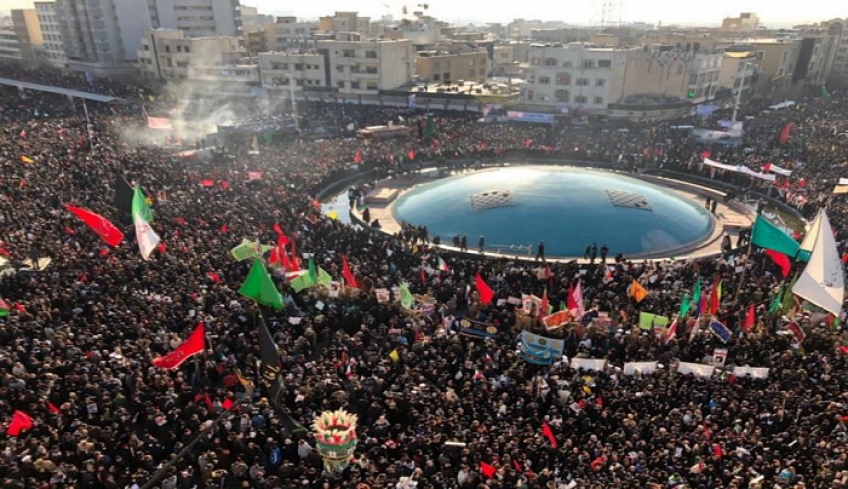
{"x":822,"y":282}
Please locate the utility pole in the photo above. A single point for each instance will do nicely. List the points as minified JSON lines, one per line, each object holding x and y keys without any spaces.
{"x":291,"y":92}
{"x":739,"y":91}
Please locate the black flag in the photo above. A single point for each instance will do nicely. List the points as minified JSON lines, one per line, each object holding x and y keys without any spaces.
{"x":270,"y":368}
{"x":123,"y":197}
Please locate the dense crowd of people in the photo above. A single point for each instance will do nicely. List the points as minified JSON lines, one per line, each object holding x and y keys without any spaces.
{"x":79,"y":336}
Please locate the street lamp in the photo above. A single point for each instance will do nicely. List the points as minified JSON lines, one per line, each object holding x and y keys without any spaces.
{"x":739,"y":91}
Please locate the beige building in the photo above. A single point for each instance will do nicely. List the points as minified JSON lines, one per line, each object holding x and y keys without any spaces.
{"x":168,"y":54}
{"x":348,"y":22}
{"x":776,"y":59}
{"x":746,"y":22}
{"x":673,"y":75}
{"x":738,"y":70}
{"x":243,"y":74}
{"x":286,"y":33}
{"x":508,"y":57}
{"x":278,"y":69}
{"x":365,"y":67}
{"x":444,"y":66}
{"x":10,"y":49}
{"x":27,"y":29}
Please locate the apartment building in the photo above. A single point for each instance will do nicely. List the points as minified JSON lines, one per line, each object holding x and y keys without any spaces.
{"x":168,"y":53}
{"x":746,"y":22}
{"x":306,"y":70}
{"x":575,"y":76}
{"x":449,"y":65}
{"x":838,"y":75}
{"x":287,"y":33}
{"x":776,"y":60}
{"x":51,"y":31}
{"x":10,"y":49}
{"x":362,"y":67}
{"x":738,"y":70}
{"x":197,"y":18}
{"x":349,"y":22}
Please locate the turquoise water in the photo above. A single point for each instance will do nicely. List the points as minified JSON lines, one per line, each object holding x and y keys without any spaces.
{"x":568,"y":208}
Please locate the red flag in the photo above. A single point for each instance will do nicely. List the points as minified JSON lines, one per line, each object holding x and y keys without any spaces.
{"x":208,"y":401}
{"x":357,"y":158}
{"x":100,"y":225}
{"x":780,"y":260}
{"x":571,"y":304}
{"x":225,"y":185}
{"x":207,"y":183}
{"x":254,"y":175}
{"x":215,"y":277}
{"x":195,"y":344}
{"x":228,"y":404}
{"x":715,"y":297}
{"x":20,"y":422}
{"x":517,"y":466}
{"x":750,"y":319}
{"x":70,"y":231}
{"x":785,"y":133}
{"x":843,"y":349}
{"x":486,"y":293}
{"x":350,"y":279}
{"x":422,"y":276}
{"x":180,"y":221}
{"x":546,"y":430}
{"x":278,"y":230}
{"x":487,"y":470}
{"x":672,"y":331}
{"x":162,"y":247}
{"x":53,"y":409}
{"x":411,"y":154}
{"x":717,"y":453}
{"x":225,"y":229}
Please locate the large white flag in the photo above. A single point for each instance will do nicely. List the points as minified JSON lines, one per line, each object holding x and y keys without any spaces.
{"x":822,"y":282}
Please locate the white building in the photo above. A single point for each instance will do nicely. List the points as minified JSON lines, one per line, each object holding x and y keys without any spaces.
{"x":9,"y":47}
{"x":197,"y":17}
{"x":102,"y":37}
{"x":247,"y":74}
{"x":307,"y":69}
{"x":362,"y":67}
{"x":575,"y":76}
{"x":54,"y":48}
{"x":704,"y":73}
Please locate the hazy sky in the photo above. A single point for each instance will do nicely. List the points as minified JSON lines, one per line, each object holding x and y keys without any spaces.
{"x":690,"y":12}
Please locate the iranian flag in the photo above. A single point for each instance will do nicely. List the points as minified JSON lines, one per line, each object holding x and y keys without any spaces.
{"x":441,"y":264}
{"x":147,"y":238}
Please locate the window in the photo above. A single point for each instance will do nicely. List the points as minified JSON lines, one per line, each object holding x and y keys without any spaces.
{"x":340,"y":68}
{"x":582,"y":82}
{"x":167,"y":49}
{"x":348,"y":53}
{"x":371,"y":70}
{"x":761,"y":55}
{"x":371,"y":86}
{"x":563,"y":79}
{"x":600,"y":82}
{"x":340,"y":84}
{"x":599,"y":100}
{"x":437,"y":77}
{"x":588,"y":64}
{"x":535,"y":61}
{"x":371,"y":54}
{"x":562,"y":96}
{"x":544,"y":80}
{"x":550,"y":62}
{"x":604,"y":63}
{"x":354,"y":85}
{"x":530,"y":95}
{"x":580,"y":99}
{"x":693,"y":79}
{"x":567,"y":64}
{"x":179,"y":49}
{"x":298,"y":66}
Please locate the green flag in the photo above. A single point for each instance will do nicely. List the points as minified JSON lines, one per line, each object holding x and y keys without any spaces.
{"x":685,"y":305}
{"x":302,"y":282}
{"x":259,"y":287}
{"x":406,"y":299}
{"x":696,"y":295}
{"x":650,"y":321}
{"x":767,"y":235}
{"x":324,"y":278}
{"x":248,"y":250}
{"x":4,"y":308}
{"x":824,"y":93}
{"x":774,"y":305}
{"x":313,"y":274}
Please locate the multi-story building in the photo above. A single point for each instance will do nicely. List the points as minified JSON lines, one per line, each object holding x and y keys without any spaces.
{"x":451,"y":65}
{"x":197,"y":17}
{"x":54,"y":48}
{"x":10,"y":49}
{"x":347,"y":22}
{"x":306,"y":70}
{"x":286,"y":33}
{"x":362,"y":67}
{"x":168,"y":53}
{"x":838,"y":75}
{"x":575,"y":76}
{"x":30,"y":39}
{"x":562,"y":35}
{"x":102,"y":37}
{"x":746,"y":22}
{"x":776,"y":59}
{"x":672,"y":74}
{"x":811,"y":68}
{"x":225,"y":74}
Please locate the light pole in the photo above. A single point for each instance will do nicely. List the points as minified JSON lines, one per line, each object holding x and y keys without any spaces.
{"x":291,"y":92}
{"x":739,"y":91}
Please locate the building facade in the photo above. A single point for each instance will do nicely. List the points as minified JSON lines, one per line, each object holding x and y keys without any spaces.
{"x":306,"y":70}
{"x":286,"y":33}
{"x":746,"y":22}
{"x":10,"y":49}
{"x":444,"y":66}
{"x":575,"y":76}
{"x":197,"y":18}
{"x":738,"y":71}
{"x":54,"y":48}
{"x":168,"y":53}
{"x":363,"y":67}
{"x":838,"y":69}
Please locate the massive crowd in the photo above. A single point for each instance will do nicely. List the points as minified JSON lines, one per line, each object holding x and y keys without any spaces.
{"x":77,"y":344}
